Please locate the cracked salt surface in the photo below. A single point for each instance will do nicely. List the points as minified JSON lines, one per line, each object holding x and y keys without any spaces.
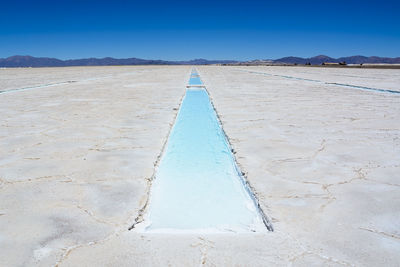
{"x":329,"y":83}
{"x":34,"y":87}
{"x":197,"y":186}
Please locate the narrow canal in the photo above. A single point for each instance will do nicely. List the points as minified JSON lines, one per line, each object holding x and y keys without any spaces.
{"x":198,"y":186}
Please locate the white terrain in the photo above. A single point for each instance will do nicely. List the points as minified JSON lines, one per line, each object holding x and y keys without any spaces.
{"x":79,"y":147}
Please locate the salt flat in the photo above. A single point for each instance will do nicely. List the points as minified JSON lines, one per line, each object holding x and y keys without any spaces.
{"x":76,"y":159}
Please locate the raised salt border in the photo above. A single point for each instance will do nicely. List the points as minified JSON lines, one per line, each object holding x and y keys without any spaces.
{"x":197,"y":186}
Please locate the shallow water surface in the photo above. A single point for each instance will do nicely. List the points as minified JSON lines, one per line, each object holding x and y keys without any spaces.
{"x":197,"y":185}
{"x":195,"y":80}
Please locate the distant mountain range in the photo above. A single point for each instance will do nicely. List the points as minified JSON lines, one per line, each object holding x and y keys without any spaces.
{"x":318,"y":60}
{"x":29,"y":61}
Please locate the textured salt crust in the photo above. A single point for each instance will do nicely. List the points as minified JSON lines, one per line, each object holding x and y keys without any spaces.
{"x":360,"y":87}
{"x":80,"y":79}
{"x":34,"y":87}
{"x":322,"y":160}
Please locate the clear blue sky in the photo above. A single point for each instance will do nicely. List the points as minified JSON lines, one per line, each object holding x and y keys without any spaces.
{"x":179,"y":30}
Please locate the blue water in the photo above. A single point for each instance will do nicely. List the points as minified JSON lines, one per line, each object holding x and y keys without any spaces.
{"x":195,"y":80}
{"x":197,"y":185}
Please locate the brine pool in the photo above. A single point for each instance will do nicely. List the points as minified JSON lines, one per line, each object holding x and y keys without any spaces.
{"x":198,"y":186}
{"x":195,"y":79}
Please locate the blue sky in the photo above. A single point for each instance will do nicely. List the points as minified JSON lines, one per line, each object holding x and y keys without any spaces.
{"x":179,"y":30}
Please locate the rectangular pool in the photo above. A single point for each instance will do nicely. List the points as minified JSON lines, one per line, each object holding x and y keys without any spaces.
{"x":197,"y":186}
{"x":195,"y":80}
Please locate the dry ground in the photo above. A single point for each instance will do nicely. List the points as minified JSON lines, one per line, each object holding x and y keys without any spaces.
{"x":78,"y":146}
